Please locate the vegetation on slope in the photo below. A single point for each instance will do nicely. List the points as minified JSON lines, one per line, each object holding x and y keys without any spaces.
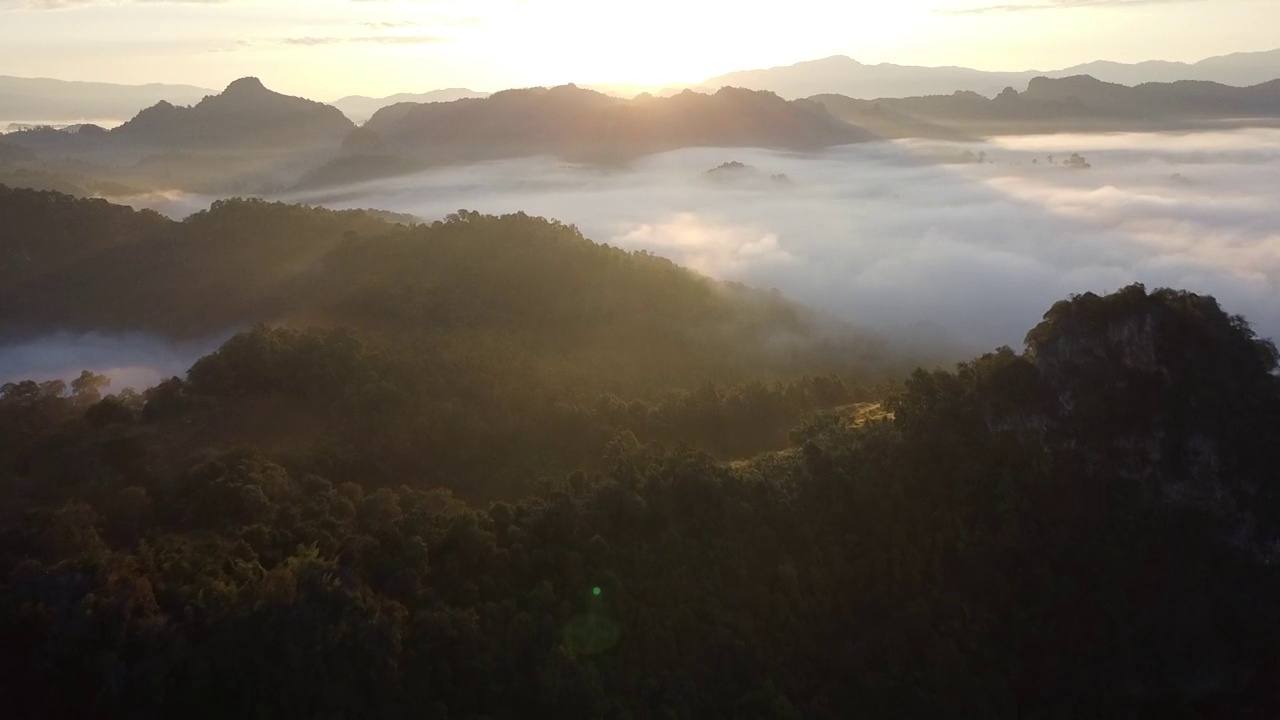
{"x":478,"y":352}
{"x":987,"y":550}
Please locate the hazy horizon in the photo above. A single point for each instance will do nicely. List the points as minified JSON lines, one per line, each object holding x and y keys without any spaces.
{"x":329,"y":49}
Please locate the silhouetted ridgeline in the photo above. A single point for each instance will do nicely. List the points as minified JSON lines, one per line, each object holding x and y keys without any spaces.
{"x":579,"y":124}
{"x":69,"y":101}
{"x":246,"y":137}
{"x":244,"y":116}
{"x":360,"y":108}
{"x":846,"y":76}
{"x":251,"y":140}
{"x":1082,"y":529}
{"x":1080,"y":103}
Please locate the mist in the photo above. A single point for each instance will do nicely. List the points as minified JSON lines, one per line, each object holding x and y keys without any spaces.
{"x":131,"y":360}
{"x":912,"y":238}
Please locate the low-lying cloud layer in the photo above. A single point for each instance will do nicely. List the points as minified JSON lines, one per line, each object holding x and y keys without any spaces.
{"x":896,"y":237}
{"x":904,"y":238}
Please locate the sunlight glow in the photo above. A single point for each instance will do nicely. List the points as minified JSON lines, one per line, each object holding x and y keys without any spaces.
{"x":327,"y":48}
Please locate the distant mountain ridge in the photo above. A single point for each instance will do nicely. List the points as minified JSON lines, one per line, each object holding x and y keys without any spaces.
{"x":246,"y":114}
{"x":1080,"y":103}
{"x":67,"y":101}
{"x":249,"y":139}
{"x":244,"y":139}
{"x":579,"y":124}
{"x":842,"y":75}
{"x":360,"y":108}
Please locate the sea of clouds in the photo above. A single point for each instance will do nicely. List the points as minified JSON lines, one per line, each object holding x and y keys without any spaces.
{"x":906,"y":238}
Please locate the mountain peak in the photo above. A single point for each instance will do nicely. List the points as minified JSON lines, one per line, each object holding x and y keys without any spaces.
{"x":245,"y":85}
{"x":835,"y":60}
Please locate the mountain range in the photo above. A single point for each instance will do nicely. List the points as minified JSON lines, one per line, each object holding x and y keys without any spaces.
{"x":244,"y":116}
{"x":579,"y":124}
{"x":1080,"y":103}
{"x":243,"y":139}
{"x":65,"y":102}
{"x":360,"y":108}
{"x":62,"y":101}
{"x":249,"y":139}
{"x":842,"y":75}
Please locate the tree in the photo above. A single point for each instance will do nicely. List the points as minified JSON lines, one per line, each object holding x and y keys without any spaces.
{"x":87,"y":389}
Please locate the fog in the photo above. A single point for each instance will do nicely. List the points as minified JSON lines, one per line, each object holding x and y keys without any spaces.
{"x":131,"y":360}
{"x":898,"y":237}
{"x":904,"y":237}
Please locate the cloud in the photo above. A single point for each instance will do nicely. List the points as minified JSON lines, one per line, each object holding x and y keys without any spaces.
{"x":64,"y":4}
{"x":322,"y":40}
{"x":1060,"y":5}
{"x":708,"y":247}
{"x":927,"y":254}
{"x":370,"y":39}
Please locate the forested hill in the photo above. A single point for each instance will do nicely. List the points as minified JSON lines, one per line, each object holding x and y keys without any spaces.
{"x":88,"y":265}
{"x":1086,"y":528}
{"x":475,"y":352}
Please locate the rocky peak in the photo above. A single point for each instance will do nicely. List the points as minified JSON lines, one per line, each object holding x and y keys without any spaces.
{"x":245,"y":86}
{"x":1168,"y":391}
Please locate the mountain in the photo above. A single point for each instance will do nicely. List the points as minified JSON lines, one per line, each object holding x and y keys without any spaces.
{"x":1184,"y":98}
{"x":845,"y":76}
{"x":1080,"y":103}
{"x":580,"y":124}
{"x":63,"y":101}
{"x":244,"y":116}
{"x":1239,"y":69}
{"x":244,"y":139}
{"x":360,"y":108}
{"x":841,"y":75}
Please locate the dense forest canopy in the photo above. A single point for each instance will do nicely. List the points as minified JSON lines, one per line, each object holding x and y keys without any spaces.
{"x":484,"y":467}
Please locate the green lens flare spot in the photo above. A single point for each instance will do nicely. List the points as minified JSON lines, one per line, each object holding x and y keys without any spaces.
{"x":595,"y":591}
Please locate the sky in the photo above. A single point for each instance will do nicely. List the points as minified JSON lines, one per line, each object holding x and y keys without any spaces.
{"x":326,"y":49}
